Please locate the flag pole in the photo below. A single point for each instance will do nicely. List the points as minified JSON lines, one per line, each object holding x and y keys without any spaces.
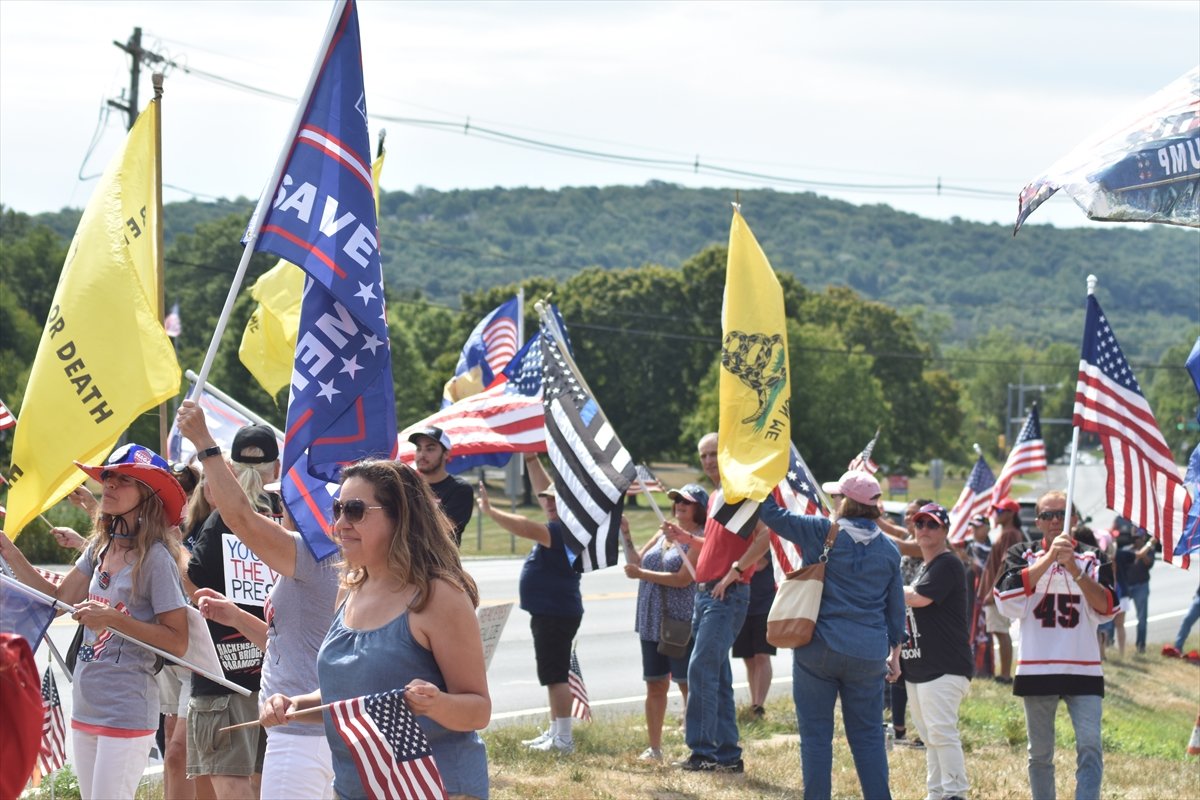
{"x":164,"y":425}
{"x":1091,"y":290}
{"x":234,"y":404}
{"x":70,"y":609}
{"x":267,"y":195}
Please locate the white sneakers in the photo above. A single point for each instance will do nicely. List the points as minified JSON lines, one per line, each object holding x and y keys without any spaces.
{"x":539,"y":739}
{"x":651,"y":754}
{"x":555,"y":744}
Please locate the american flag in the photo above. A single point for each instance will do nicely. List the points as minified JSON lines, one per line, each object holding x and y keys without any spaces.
{"x":1028,"y":455}
{"x":173,"y":325}
{"x":644,"y":478}
{"x":491,"y":344}
{"x":580,"y":708}
{"x":506,"y":418}
{"x":54,"y":577}
{"x":1143,"y":482}
{"x":590,"y":466}
{"x":7,"y":418}
{"x":797,"y":492}
{"x":862,"y":462}
{"x":976,"y":498}
{"x":389,"y":748}
{"x":53,"y":753}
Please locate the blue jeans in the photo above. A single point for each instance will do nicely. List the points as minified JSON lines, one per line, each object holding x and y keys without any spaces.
{"x":819,"y":677}
{"x":1139,"y":593}
{"x":712,"y":730}
{"x":1189,"y":620}
{"x":1085,"y":711}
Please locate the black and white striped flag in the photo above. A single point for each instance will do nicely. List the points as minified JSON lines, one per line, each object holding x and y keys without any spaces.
{"x":591,"y":468}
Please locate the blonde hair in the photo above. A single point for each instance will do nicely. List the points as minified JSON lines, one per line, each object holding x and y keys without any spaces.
{"x":252,"y":478}
{"x":151,"y":527}
{"x":422,"y":547}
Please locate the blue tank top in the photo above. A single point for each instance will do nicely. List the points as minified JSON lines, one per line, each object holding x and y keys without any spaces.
{"x":353,"y":662}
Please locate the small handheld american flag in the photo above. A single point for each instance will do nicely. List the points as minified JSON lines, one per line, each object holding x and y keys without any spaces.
{"x":389,"y":748}
{"x":1028,"y":455}
{"x":580,"y":708}
{"x":7,"y":418}
{"x":53,"y":753}
{"x":976,"y":498}
{"x":862,"y":462}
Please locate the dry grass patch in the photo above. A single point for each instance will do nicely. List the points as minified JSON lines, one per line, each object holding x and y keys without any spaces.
{"x":1148,"y":715}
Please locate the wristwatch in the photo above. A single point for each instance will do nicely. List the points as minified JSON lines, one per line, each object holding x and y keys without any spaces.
{"x":208,"y":452}
{"x":736,"y":568}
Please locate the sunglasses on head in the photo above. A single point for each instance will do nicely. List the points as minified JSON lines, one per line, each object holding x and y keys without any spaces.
{"x":1046,"y":516}
{"x":351,"y":510}
{"x":927,"y":523}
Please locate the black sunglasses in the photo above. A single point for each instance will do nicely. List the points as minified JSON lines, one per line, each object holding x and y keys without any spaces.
{"x":352,"y":510}
{"x":1046,"y":516}
{"x":927,"y":523}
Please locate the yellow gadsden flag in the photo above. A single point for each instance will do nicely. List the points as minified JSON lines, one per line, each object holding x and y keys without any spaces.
{"x":755,"y":429}
{"x":103,"y":358}
{"x":268,"y":348}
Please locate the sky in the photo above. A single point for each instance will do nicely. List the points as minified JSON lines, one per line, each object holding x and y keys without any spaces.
{"x":860,"y":101}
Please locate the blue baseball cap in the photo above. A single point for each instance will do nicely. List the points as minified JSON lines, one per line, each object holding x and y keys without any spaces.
{"x":935,"y":512}
{"x":691,"y":493}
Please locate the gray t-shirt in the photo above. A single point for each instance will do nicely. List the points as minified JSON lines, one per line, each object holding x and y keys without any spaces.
{"x":299,"y":611}
{"x":114,"y":679}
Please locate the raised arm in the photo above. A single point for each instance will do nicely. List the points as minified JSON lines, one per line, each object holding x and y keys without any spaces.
{"x":513,"y":523}
{"x":264,"y":536}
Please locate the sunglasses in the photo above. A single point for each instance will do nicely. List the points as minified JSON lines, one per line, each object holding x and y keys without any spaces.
{"x":1046,"y":516}
{"x":351,"y":510}
{"x":927,"y":523}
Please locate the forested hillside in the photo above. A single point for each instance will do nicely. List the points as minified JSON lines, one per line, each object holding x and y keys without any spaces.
{"x":971,"y":277}
{"x":917,"y":326}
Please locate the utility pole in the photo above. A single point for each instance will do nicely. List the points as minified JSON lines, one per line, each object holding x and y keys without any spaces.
{"x":137,"y":55}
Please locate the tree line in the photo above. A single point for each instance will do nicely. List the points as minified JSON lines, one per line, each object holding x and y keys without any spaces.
{"x":646,"y":328}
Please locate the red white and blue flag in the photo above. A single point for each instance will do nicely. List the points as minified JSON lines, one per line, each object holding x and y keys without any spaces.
{"x":53,"y":752}
{"x":1028,"y":455}
{"x":322,"y":218}
{"x":580,"y":707}
{"x":389,"y":748}
{"x":797,"y":493}
{"x":976,"y":498}
{"x":491,"y":345}
{"x":645,"y":478}
{"x":173,"y":325}
{"x":504,"y":419}
{"x":1143,"y":482}
{"x":1189,"y":540}
{"x":7,"y":418}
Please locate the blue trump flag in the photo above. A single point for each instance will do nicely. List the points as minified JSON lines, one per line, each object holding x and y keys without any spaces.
{"x":1189,"y":540}
{"x":322,"y":218}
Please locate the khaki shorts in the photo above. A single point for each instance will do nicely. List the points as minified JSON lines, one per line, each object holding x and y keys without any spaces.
{"x":995,"y":621}
{"x":174,"y":689}
{"x":210,"y":752}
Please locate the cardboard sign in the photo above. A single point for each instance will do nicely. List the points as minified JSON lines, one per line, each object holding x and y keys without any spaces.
{"x":492,"y":620}
{"x":248,"y":580}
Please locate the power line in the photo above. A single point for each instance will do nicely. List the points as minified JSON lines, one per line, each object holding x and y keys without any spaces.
{"x":696,"y":165}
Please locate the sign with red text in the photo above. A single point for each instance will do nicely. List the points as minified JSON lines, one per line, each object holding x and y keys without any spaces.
{"x":248,"y":580}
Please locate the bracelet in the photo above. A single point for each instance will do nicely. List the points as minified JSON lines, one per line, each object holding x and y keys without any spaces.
{"x":209,"y":452}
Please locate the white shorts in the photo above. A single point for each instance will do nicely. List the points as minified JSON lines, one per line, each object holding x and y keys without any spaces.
{"x":994,"y":621}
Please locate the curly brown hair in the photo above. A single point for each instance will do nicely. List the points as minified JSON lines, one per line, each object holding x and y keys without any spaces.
{"x":422,"y":547}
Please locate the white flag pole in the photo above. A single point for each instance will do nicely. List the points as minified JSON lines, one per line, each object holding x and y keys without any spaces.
{"x":234,"y":404}
{"x":1091,"y":290}
{"x":267,"y":196}
{"x":70,"y":609}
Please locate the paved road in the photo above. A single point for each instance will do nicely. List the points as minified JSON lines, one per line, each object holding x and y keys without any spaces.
{"x":609,"y":653}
